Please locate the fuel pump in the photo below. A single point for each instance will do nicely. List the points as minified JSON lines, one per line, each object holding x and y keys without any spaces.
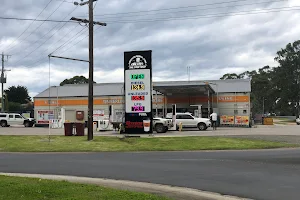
{"x":197,"y":113}
{"x":105,"y":123}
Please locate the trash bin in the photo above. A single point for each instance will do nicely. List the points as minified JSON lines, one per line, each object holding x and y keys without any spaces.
{"x":68,"y":129}
{"x":79,"y":129}
{"x":268,"y":121}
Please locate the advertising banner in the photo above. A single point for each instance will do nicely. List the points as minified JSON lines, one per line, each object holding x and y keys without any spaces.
{"x":227,"y":120}
{"x":245,"y":120}
{"x":242,"y":120}
{"x":43,"y":116}
{"x":230,"y":119}
{"x":138,"y":91}
{"x":223,"y":119}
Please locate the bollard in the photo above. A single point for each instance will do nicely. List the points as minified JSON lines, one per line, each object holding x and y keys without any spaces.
{"x":180,"y":126}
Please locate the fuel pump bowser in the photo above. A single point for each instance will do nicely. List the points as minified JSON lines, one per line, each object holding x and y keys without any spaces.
{"x":105,"y":123}
{"x":173,"y":118}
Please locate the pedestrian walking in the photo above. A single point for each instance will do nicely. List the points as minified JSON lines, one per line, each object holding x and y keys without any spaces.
{"x":214,"y":118}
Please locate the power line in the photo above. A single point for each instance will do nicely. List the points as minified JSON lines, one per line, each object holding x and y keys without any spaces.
{"x":65,"y":1}
{"x":44,"y":20}
{"x":45,"y":58}
{"x":37,"y":20}
{"x":49,"y":37}
{"x":68,"y":40}
{"x":77,"y":42}
{"x":182,"y":11}
{"x":9,"y":46}
{"x":64,"y":36}
{"x":254,"y":12}
{"x":174,"y":8}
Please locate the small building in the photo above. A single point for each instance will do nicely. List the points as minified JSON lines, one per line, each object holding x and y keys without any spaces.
{"x":229,"y":98}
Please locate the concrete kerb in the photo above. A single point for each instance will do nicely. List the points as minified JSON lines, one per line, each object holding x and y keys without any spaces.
{"x":177,"y":193}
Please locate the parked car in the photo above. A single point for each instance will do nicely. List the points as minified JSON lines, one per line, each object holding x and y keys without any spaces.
{"x":161,"y":125}
{"x":7,"y":119}
{"x":189,"y":121}
{"x":298,"y":121}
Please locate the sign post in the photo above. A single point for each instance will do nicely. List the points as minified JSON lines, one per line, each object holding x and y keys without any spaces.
{"x":138,"y":92}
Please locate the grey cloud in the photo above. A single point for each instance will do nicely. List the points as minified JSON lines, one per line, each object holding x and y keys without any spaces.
{"x":208,"y":45}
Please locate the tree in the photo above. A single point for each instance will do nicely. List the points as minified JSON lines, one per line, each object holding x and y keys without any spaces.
{"x":18,"y":94}
{"x":278,"y":88}
{"x":75,"y":80}
{"x":288,"y":73}
{"x":230,"y":76}
{"x":13,"y":106}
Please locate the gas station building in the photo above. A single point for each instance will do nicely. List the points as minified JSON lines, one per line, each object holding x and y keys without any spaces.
{"x":230,"y":99}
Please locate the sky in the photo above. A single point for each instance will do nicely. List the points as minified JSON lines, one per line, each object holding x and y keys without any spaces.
{"x":212,"y":37}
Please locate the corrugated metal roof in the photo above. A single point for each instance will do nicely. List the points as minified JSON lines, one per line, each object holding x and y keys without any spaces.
{"x":231,"y":85}
{"x":116,"y":89}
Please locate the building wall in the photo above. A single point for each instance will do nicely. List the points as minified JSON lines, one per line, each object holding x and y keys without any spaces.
{"x":226,"y":104}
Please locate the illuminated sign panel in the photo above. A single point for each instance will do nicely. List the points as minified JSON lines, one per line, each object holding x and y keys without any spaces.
{"x":138,"y":108}
{"x":138,"y":87}
{"x":137,"y":76}
{"x":138,"y":91}
{"x":137,"y":98}
{"x":135,"y":89}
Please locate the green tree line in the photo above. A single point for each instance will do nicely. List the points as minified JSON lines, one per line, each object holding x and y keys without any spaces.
{"x":277,"y":88}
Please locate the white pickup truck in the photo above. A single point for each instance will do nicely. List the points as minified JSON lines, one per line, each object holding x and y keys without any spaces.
{"x":161,"y":125}
{"x":189,"y":121}
{"x":7,"y":119}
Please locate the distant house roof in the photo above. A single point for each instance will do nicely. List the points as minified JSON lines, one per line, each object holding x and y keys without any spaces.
{"x":116,"y":89}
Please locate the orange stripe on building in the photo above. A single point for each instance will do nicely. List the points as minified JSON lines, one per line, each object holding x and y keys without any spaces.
{"x":118,"y":100}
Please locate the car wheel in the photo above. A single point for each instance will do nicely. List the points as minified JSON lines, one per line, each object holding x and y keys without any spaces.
{"x":3,"y":123}
{"x":27,"y":124}
{"x":159,"y":128}
{"x":166,"y":129}
{"x":298,"y":123}
{"x":202,"y":126}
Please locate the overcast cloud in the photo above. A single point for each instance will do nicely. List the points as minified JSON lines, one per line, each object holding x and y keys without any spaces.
{"x":211,"y":46}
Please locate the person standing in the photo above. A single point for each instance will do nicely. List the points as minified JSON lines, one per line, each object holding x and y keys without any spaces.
{"x":214,"y":118}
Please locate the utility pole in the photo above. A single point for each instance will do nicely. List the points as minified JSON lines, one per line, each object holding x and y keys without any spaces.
{"x":2,"y":84}
{"x":91,"y":61}
{"x":3,"y":80}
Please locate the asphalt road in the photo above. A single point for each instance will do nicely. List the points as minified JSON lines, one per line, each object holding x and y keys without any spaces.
{"x":257,"y":174}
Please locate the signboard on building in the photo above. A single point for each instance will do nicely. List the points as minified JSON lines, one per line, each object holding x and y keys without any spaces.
{"x":43,"y":116}
{"x":138,"y":91}
{"x":98,"y":114}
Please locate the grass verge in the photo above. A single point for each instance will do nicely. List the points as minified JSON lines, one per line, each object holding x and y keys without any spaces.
{"x":12,"y":188}
{"x":80,"y":144}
